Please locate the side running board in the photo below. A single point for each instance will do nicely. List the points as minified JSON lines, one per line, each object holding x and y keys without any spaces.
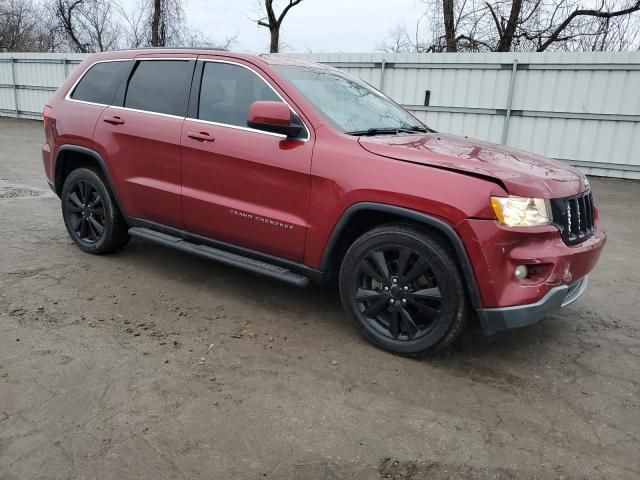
{"x":235,"y":260}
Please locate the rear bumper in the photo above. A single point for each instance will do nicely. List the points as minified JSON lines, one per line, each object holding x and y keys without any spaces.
{"x":495,"y":320}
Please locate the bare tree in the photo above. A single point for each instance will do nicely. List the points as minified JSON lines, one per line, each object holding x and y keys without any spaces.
{"x":134,"y":22}
{"x":449,"y":25}
{"x":65,"y":11}
{"x":157,"y":36}
{"x":88,"y":25}
{"x":273,"y":22}
{"x":532,"y":25}
{"x":24,"y":27}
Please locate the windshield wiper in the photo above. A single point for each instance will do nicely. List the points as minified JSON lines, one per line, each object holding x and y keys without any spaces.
{"x":418,"y":128}
{"x":387,"y":131}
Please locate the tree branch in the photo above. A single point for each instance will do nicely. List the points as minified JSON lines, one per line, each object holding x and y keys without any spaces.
{"x":584,"y":13}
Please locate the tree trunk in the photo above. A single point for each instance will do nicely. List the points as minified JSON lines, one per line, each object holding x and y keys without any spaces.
{"x":155,"y":23}
{"x":504,"y":45}
{"x":275,"y":39}
{"x":449,"y":26}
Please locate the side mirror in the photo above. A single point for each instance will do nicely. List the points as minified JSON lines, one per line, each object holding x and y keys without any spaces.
{"x":273,"y":117}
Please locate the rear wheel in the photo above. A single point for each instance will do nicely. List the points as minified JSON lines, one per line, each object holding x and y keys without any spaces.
{"x":404,"y":290}
{"x":91,"y":214}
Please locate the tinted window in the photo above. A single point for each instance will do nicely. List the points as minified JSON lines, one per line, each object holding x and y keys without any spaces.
{"x":100,"y":83}
{"x":160,"y":86}
{"x":228,"y":91}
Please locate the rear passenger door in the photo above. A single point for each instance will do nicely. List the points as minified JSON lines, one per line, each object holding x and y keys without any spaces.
{"x":141,"y":133}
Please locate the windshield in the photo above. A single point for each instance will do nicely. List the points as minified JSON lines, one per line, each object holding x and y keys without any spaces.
{"x":349,"y":104}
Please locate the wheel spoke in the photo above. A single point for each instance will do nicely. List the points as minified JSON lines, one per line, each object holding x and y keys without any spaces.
{"x":364,"y":295}
{"x":92,"y":233}
{"x":425,"y":309}
{"x":73,"y":208}
{"x":417,"y":269}
{"x":407,"y":320}
{"x":96,"y":226}
{"x":96,"y":201}
{"x":83,"y":228}
{"x":82,"y":187}
{"x":75,"y":200}
{"x":368,"y":270}
{"x":428,"y":294}
{"x":394,"y":323}
{"x":376,"y":307}
{"x":98,"y":212}
{"x":403,"y":258}
{"x":380,"y":262}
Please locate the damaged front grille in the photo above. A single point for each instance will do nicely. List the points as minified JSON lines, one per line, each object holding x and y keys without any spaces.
{"x":574,"y":216}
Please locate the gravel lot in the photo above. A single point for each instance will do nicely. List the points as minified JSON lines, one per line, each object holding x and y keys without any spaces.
{"x":154,"y":364}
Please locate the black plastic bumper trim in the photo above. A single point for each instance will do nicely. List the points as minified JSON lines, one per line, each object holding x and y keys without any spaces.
{"x":495,"y":320}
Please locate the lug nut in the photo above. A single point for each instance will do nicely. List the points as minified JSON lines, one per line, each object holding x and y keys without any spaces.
{"x":395,"y":280}
{"x":392,"y":301}
{"x":404,"y":300}
{"x":406,"y":289}
{"x":386,"y":289}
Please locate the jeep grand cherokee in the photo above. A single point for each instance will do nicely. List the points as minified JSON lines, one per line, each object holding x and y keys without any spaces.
{"x":300,"y":172}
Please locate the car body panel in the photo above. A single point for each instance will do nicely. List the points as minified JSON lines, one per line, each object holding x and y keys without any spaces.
{"x":239,"y":188}
{"x":523,"y":173}
{"x":143,"y":156}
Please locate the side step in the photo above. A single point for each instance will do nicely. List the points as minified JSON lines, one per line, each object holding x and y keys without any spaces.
{"x":255,"y":266}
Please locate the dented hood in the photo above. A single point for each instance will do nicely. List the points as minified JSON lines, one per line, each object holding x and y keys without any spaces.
{"x":522,"y":173}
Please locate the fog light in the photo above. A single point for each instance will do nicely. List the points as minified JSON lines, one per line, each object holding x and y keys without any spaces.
{"x":521,"y":272}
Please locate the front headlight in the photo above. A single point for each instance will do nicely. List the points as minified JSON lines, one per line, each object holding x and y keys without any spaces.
{"x":521,"y":212}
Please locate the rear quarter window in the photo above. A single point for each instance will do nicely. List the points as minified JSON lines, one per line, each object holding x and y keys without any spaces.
{"x":100,"y":83}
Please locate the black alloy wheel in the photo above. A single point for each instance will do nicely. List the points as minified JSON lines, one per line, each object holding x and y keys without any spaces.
{"x":86,"y":211}
{"x":91,"y":214}
{"x":397,"y":292}
{"x":403,"y":287}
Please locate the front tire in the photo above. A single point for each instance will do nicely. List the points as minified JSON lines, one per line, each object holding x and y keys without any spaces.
{"x":91,"y":214}
{"x":404,"y":290}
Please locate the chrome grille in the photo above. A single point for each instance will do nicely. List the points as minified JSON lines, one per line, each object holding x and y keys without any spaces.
{"x":574,"y":216}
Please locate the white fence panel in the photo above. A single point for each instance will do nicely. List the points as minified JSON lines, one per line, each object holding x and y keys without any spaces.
{"x":581,"y":108}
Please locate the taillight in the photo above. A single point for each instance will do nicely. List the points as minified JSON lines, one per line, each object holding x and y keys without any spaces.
{"x":46,"y":116}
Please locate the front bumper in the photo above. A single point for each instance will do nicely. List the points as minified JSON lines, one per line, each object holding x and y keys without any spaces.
{"x":495,"y":320}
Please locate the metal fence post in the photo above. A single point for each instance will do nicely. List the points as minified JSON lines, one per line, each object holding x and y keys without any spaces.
{"x":382,"y":67}
{"x":507,"y":117}
{"x":15,"y":86}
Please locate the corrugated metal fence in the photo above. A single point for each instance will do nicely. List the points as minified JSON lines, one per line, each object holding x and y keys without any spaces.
{"x":582,"y":108}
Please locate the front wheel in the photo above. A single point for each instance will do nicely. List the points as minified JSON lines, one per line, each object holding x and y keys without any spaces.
{"x":404,"y":290}
{"x":91,"y":214}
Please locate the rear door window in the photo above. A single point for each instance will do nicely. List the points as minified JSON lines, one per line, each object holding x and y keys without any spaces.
{"x":100,"y":83}
{"x":227,"y":91}
{"x":160,"y":86}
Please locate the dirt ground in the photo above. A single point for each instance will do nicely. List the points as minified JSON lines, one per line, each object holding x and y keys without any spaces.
{"x":154,"y":364}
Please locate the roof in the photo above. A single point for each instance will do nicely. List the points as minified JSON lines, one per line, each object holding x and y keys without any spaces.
{"x":271,"y":59}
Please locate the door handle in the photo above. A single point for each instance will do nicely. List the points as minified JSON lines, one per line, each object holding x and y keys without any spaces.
{"x":200,"y":136}
{"x":115,"y":120}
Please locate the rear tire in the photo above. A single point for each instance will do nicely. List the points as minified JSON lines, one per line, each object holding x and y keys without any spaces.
{"x":90,"y":213}
{"x":404,"y":290}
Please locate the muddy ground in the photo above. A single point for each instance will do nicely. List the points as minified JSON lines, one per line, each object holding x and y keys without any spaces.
{"x":154,"y":364}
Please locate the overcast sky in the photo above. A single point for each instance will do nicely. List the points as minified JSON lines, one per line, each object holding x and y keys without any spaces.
{"x":313,"y":25}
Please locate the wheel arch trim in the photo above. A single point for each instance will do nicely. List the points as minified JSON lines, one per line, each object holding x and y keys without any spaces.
{"x":91,"y":153}
{"x":441,"y":226}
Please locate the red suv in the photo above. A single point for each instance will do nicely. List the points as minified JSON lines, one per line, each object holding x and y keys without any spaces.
{"x":300,"y":172}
